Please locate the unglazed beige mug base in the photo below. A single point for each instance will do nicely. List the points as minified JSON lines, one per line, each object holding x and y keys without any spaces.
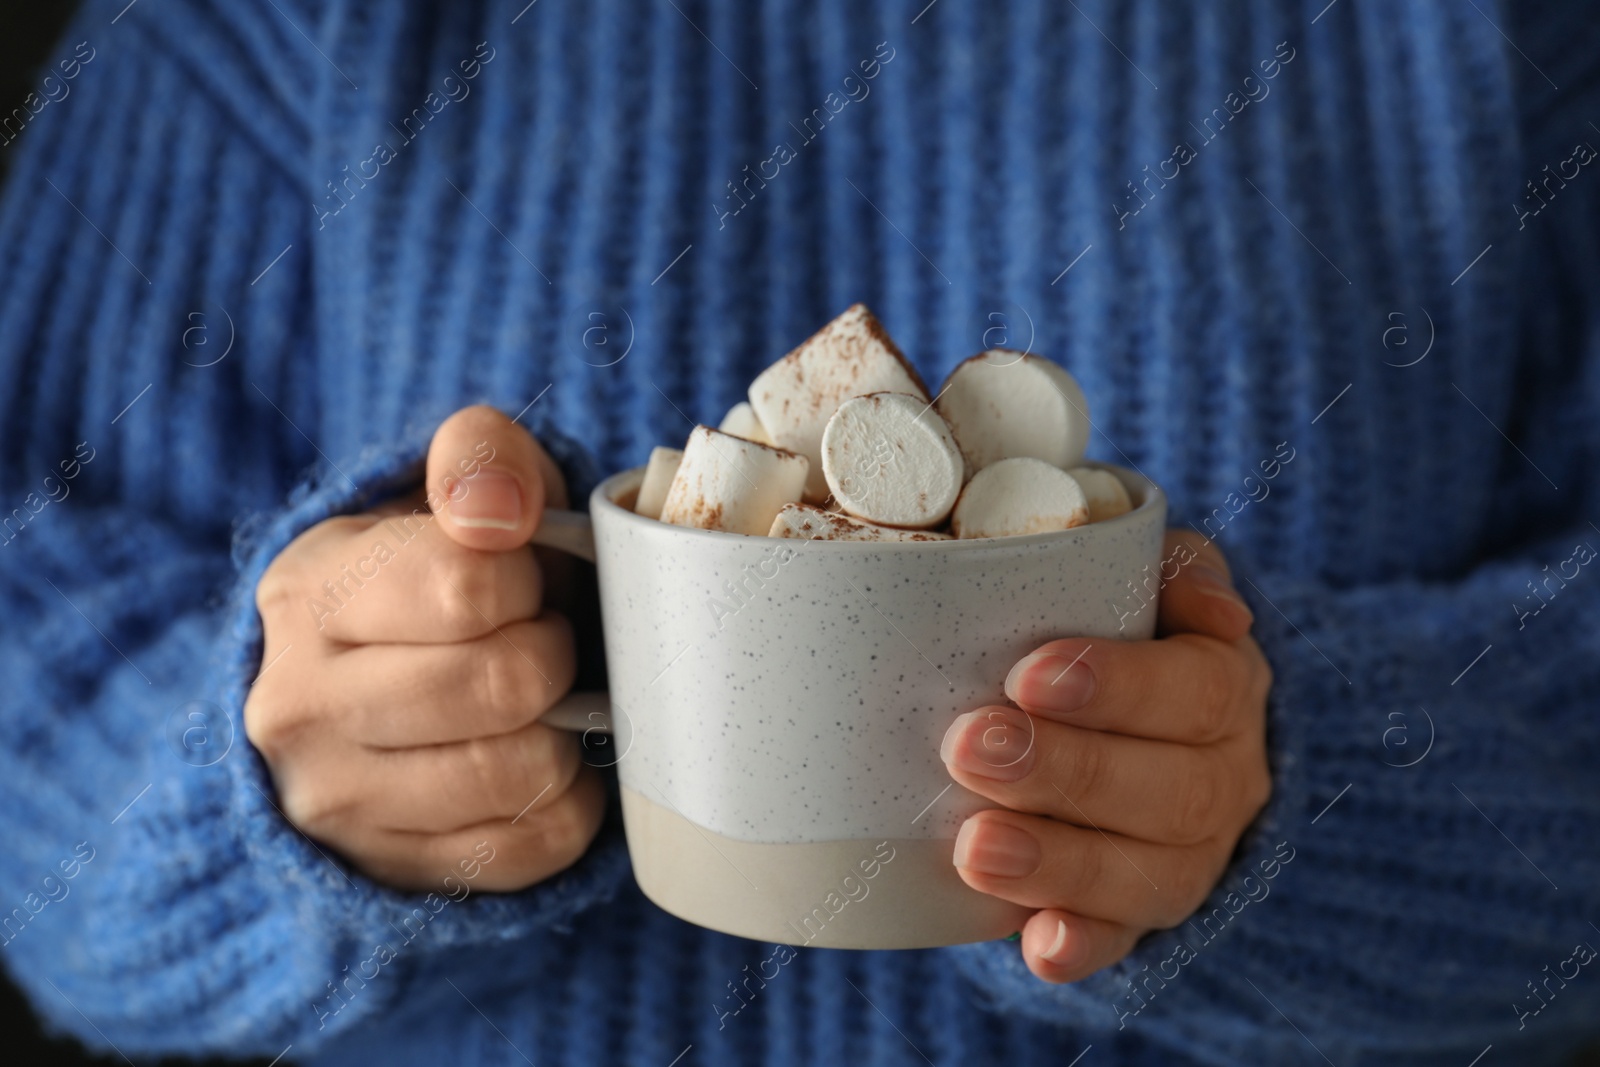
{"x":862,"y":894}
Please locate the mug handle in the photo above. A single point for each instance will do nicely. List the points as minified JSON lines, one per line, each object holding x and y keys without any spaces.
{"x":572,"y":532}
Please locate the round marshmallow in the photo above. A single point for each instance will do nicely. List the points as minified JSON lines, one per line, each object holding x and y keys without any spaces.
{"x":1107,"y":496}
{"x":850,"y":356}
{"x":1018,"y":496}
{"x":1002,"y":404}
{"x":890,"y":459}
{"x":741,"y":421}
{"x":814,"y":524}
{"x":658,"y":477}
{"x":728,"y":483}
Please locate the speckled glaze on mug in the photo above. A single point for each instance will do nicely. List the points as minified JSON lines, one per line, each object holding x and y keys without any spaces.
{"x":778,"y":707}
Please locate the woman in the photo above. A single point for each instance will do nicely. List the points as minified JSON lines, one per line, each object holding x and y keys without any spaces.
{"x":261,"y":255}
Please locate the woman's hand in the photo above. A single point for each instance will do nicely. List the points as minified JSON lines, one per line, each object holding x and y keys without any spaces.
{"x":1126,"y":780}
{"x":407,"y":661}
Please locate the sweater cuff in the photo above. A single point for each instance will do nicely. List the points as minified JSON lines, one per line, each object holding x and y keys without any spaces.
{"x":354,"y":916}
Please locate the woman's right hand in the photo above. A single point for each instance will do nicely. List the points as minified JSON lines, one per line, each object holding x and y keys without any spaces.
{"x":406,"y":663}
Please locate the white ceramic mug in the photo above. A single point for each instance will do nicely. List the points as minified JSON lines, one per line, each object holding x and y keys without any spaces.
{"x":777,"y":706}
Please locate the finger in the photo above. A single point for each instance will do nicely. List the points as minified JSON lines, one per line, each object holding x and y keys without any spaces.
{"x":1152,"y":790}
{"x":1199,"y":596}
{"x":403,"y":696}
{"x":488,"y":480}
{"x":1184,"y":688}
{"x":436,"y":788}
{"x":398,"y":578}
{"x":1040,"y":863}
{"x":443,"y":788}
{"x":1059,"y":946}
{"x":521,"y":851}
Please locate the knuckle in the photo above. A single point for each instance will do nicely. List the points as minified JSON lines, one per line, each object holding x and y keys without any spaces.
{"x":464,"y":591}
{"x":588,"y":806}
{"x":1192,"y":883}
{"x":481,"y":759}
{"x":1089,"y":771}
{"x":314,"y":806}
{"x":500,"y":679}
{"x":289,"y":575}
{"x":270,"y":721}
{"x":553,"y":756}
{"x":1168,"y":912}
{"x":1178,"y":905}
{"x":563,"y":830}
{"x":1194,"y":813}
{"x":1213,"y":557}
{"x":297,"y":806}
{"x":1085,"y":872}
{"x":1215,"y":686}
{"x":275,"y":592}
{"x":488,"y":771}
{"x":1178,"y":899}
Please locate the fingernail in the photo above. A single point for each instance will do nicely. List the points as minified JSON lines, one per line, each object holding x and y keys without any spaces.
{"x":1213,"y":583}
{"x":1046,"y":681}
{"x":1055,"y":951}
{"x":989,"y":846}
{"x":1020,"y":668}
{"x":489,"y":499}
{"x":995,"y":743}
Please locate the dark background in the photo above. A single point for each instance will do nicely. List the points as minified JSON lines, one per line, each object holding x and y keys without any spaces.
{"x":27,"y":32}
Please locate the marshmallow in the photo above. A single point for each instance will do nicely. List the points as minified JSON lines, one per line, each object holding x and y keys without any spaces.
{"x":796,"y":396}
{"x":741,"y":421}
{"x":1002,"y":404}
{"x":731,"y":484}
{"x":1107,"y":496}
{"x":657,"y":479}
{"x":890,"y":459}
{"x":814,"y":524}
{"x":1017,"y":496}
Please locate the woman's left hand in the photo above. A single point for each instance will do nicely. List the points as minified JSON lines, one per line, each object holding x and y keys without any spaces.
{"x":1127,"y":778}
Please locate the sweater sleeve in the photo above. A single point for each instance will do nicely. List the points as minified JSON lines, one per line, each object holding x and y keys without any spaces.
{"x":152,"y":897}
{"x":1424,"y":880}
{"x":1429,"y":846}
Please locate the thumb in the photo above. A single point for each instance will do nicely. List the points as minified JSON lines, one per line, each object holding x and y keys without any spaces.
{"x":489,"y":480}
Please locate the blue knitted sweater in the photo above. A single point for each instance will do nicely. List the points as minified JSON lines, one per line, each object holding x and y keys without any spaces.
{"x":255,"y":252}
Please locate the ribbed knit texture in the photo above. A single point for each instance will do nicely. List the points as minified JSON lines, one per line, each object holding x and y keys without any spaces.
{"x":191,"y":171}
